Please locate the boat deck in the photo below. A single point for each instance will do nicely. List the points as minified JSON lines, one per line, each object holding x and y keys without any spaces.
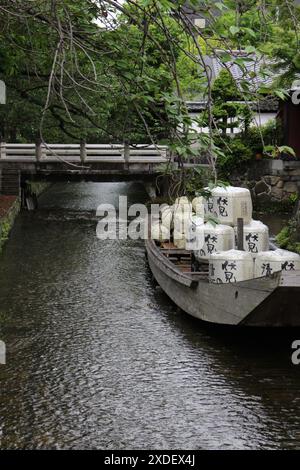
{"x":183,"y":260}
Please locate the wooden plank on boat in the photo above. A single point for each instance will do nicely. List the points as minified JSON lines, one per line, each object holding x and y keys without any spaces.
{"x":168,"y":246}
{"x":176,"y":252}
{"x":177,"y":258}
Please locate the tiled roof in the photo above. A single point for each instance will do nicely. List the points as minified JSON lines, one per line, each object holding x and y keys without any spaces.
{"x":251,"y":71}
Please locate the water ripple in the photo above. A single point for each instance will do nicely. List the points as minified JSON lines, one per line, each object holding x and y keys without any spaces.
{"x":98,"y":358}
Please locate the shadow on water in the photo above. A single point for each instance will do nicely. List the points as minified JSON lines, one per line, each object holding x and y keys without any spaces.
{"x":256,"y":360}
{"x":248,"y":342}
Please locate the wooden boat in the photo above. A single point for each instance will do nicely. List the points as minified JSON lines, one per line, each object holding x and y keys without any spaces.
{"x":272,"y":301}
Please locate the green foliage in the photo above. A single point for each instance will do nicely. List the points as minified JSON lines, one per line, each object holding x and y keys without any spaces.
{"x":37,"y":187}
{"x":244,"y":148}
{"x":270,"y":134}
{"x":225,"y":87}
{"x":4,"y":231}
{"x":288,"y":238}
{"x":104,"y":76}
{"x":241,"y":23}
{"x":199,"y":182}
{"x":230,"y":112}
{"x":196,"y":179}
{"x":228,"y":109}
{"x":276,"y":151}
{"x":121,"y":71}
{"x":293,"y":198}
{"x":236,"y":156}
{"x":189,"y":181}
{"x":191,"y":81}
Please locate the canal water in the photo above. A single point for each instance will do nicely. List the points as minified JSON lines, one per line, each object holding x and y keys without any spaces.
{"x":99,"y":358}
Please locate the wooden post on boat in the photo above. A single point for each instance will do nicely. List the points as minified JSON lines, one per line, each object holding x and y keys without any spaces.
{"x":240,"y":234}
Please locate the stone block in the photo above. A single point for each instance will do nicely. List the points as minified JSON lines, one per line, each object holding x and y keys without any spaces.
{"x":262,"y":187}
{"x":295,"y":172}
{"x":285,"y":178}
{"x":277,"y":193}
{"x":267,"y":179}
{"x":290,"y":187}
{"x":276,"y":165}
{"x":280,"y":184}
{"x":251,"y":184}
{"x":274,"y":180}
{"x":263,"y":198}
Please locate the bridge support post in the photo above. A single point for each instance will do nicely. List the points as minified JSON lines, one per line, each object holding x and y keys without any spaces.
{"x":82,"y":151}
{"x":2,"y":149}
{"x":39,"y":150}
{"x":126,"y":152}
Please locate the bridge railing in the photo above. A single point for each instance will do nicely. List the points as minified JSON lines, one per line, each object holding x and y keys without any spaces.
{"x":83,"y":153}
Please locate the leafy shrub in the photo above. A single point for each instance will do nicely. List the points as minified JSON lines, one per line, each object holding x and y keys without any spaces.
{"x":235,"y":155}
{"x":288,"y":237}
{"x":241,"y":149}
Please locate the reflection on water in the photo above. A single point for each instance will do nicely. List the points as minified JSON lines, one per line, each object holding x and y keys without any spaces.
{"x":98,"y":357}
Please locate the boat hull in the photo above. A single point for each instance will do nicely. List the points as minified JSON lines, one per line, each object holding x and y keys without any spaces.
{"x":265,"y":302}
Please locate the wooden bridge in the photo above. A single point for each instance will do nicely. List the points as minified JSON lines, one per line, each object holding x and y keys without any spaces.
{"x":94,"y":162}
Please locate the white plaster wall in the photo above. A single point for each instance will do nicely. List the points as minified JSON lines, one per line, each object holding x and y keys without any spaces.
{"x":258,"y":120}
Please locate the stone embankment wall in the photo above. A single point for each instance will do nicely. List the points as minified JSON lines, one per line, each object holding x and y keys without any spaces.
{"x":271,"y":182}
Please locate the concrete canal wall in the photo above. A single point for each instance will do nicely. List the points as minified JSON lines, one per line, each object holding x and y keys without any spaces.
{"x":10,"y":206}
{"x":9,"y":209}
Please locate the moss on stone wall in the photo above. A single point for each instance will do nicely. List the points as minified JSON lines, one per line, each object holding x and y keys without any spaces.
{"x":6,"y":222}
{"x":37,"y":187}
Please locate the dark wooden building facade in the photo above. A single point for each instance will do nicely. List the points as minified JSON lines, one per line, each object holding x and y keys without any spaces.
{"x":290,"y":118}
